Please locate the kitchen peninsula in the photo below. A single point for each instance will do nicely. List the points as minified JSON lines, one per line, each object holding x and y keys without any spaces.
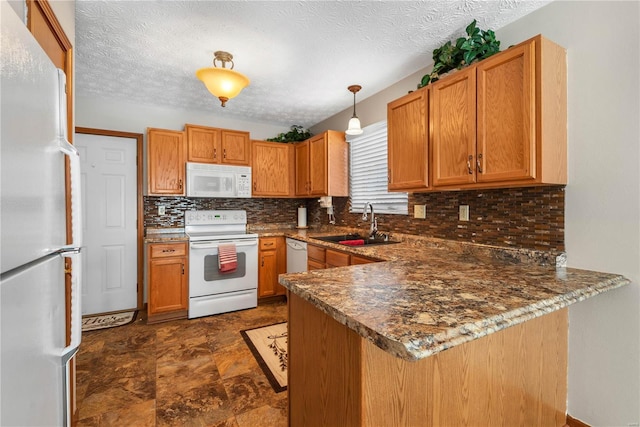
{"x":443,"y":333}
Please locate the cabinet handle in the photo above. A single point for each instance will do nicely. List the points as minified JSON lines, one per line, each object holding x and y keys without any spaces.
{"x":215,"y":153}
{"x":469,"y":164}
{"x":389,"y":176}
{"x":262,"y":261}
{"x":254,"y":186}
{"x":269,"y":244}
{"x":478,"y":163}
{"x":224,"y":153}
{"x":180,"y":184}
{"x":183,"y":269}
{"x":168,"y":250}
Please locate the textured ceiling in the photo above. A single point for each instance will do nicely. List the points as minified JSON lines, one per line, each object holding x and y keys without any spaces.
{"x":299,"y":55}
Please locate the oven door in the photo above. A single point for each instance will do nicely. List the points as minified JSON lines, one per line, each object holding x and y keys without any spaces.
{"x":206,"y":279}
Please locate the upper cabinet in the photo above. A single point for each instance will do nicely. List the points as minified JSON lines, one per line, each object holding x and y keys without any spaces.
{"x":503,"y":122}
{"x":166,"y":151}
{"x":453,"y":123}
{"x":321,"y":165}
{"x":272,"y":169}
{"x":407,"y":141}
{"x":213,"y":145}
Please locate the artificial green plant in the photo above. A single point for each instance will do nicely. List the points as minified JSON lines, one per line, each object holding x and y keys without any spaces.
{"x":477,"y":45}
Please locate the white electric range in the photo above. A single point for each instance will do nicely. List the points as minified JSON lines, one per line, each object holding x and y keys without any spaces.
{"x":210,"y":290}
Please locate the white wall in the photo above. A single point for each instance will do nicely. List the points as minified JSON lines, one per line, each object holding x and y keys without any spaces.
{"x":602,"y":212}
{"x":101,"y":113}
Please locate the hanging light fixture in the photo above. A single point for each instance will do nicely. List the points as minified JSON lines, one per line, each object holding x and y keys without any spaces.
{"x":222,"y":82}
{"x":354,"y":123}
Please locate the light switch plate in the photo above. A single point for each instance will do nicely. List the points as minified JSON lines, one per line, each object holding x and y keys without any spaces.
{"x":463,"y":213}
{"x":420,"y":211}
{"x":161,"y":210}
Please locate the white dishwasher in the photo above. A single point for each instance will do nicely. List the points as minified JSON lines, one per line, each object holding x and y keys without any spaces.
{"x":296,"y":256}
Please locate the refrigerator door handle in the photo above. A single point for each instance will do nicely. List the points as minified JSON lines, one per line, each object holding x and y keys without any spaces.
{"x":74,"y":163}
{"x":76,"y":307}
{"x":76,"y":207}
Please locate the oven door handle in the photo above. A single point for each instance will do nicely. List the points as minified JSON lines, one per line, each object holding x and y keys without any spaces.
{"x":198,"y":245}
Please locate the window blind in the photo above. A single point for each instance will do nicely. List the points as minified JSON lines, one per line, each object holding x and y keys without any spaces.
{"x":368,"y":173}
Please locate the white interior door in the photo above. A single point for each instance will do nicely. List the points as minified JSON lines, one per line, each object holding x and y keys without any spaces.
{"x":109,"y":194}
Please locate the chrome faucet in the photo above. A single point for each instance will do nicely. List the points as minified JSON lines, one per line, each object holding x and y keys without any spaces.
{"x":373,"y":230}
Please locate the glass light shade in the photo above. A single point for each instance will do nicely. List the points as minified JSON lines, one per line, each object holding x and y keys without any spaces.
{"x":223,"y":83}
{"x":354,"y":127}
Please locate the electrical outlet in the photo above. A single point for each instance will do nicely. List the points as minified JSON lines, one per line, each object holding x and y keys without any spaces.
{"x":420,"y":211}
{"x":162,"y":210}
{"x":463,"y":213}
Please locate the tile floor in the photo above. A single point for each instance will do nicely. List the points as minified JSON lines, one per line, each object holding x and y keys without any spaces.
{"x":194,"y":372}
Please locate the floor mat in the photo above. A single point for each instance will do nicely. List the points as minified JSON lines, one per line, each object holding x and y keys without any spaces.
{"x":92,"y":323}
{"x":269,"y":346}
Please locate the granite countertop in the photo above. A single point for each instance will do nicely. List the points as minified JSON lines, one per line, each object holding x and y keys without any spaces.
{"x":434,"y":294}
{"x":165,"y":235}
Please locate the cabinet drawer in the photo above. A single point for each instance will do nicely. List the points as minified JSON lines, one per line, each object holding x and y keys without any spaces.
{"x":337,"y":259}
{"x":316,"y":253}
{"x":268,"y":243}
{"x":315,"y":265}
{"x":355,"y":259}
{"x":164,"y":250}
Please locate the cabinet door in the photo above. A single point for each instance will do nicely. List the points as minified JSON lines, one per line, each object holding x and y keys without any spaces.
{"x":453,"y":123}
{"x":203,"y":144}
{"x":236,"y":147}
{"x":506,"y":116}
{"x":301,"y":151}
{"x":271,"y":166}
{"x":408,"y":141}
{"x":267,"y":273}
{"x":168,"y":289}
{"x":166,"y":154}
{"x":337,"y":259}
{"x":318,"y":165}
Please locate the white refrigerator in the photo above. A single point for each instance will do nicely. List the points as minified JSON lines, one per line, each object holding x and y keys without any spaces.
{"x":34,"y":373}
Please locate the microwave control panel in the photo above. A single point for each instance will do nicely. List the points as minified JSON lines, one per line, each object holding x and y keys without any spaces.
{"x":244,"y":185}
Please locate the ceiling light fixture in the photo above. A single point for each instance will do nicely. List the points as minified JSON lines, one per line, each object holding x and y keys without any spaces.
{"x":354,"y":123}
{"x":222,"y":82}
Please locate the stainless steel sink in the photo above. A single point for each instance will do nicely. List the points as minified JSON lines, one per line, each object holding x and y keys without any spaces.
{"x":351,"y":237}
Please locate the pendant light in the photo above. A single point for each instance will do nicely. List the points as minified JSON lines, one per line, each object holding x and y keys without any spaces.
{"x":354,"y":123}
{"x":222,"y":82}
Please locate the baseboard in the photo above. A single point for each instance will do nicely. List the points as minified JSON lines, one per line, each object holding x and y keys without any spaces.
{"x":573,"y":422}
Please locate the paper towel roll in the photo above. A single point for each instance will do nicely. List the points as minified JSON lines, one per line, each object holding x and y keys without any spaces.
{"x":302,"y":217}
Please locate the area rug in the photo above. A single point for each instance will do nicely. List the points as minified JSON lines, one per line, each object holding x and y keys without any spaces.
{"x":92,"y":323}
{"x":269,"y":346}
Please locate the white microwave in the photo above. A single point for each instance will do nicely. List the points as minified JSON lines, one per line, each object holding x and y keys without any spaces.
{"x":208,"y":180}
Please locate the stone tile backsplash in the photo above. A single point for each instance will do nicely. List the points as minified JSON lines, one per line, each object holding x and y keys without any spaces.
{"x":530,"y":217}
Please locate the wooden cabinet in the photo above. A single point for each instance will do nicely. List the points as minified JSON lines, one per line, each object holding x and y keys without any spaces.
{"x":214,"y":145}
{"x":168,"y":271}
{"x":321,"y":165}
{"x":272,"y":169}
{"x":166,"y":162}
{"x":315,"y":257}
{"x":407,"y":142}
{"x":453,"y":124}
{"x":319,"y":257}
{"x":503,"y":121}
{"x":272,"y":261}
{"x":336,"y":258}
{"x":357,"y":259}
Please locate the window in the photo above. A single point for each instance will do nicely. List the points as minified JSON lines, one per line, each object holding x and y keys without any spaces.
{"x":368,"y":173}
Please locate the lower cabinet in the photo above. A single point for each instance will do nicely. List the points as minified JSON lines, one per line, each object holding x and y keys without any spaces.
{"x":272,"y":261}
{"x":168,"y":281}
{"x":319,"y":257}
